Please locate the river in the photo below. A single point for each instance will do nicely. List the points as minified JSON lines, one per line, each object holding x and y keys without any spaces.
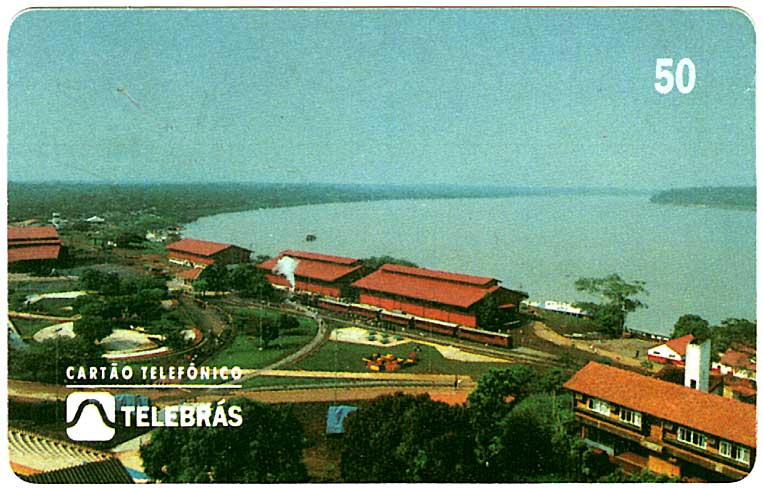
{"x":693,"y":260}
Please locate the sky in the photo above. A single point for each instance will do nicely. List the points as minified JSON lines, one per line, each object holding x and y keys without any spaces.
{"x":510,"y":97}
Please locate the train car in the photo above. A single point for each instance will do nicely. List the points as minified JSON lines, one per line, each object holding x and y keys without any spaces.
{"x":333,"y":305}
{"x":358,"y":309}
{"x":435,"y":326}
{"x":396,"y":318}
{"x":484,"y":336}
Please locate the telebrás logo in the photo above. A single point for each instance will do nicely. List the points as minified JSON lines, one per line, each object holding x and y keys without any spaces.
{"x":90,"y":416}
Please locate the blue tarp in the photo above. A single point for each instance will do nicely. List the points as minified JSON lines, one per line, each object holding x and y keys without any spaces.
{"x":130,"y":400}
{"x":335,"y":418}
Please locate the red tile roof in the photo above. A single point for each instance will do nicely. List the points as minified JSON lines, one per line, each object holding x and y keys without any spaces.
{"x":33,"y":253}
{"x":199,"y":247}
{"x":440,"y":275}
{"x":314,"y":256}
{"x":190,"y":274}
{"x":433,"y":286}
{"x":316,"y":266}
{"x":191,"y":257}
{"x":738,"y":359}
{"x":679,"y":344}
{"x":722,"y":417}
{"x":24,"y":233}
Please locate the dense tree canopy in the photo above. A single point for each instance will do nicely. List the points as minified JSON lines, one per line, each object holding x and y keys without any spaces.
{"x":536,"y":438}
{"x":619,"y":296}
{"x":405,"y":438}
{"x":694,"y":325}
{"x":47,"y":361}
{"x":266,"y":448}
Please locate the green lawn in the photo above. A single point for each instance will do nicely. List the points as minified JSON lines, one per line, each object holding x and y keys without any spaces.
{"x":259,"y":381}
{"x":57,"y":307}
{"x":28,"y":328}
{"x":245,"y":351}
{"x":340,"y":356}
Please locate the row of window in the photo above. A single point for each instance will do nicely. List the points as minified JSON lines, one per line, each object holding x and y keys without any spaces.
{"x":688,"y":436}
{"x":628,"y":416}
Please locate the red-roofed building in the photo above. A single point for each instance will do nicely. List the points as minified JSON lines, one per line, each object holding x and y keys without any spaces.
{"x":30,"y":247}
{"x":672,"y":351}
{"x":439,"y":295}
{"x":739,"y":362}
{"x":200,"y":254}
{"x":646,"y":423}
{"x":316,"y":273}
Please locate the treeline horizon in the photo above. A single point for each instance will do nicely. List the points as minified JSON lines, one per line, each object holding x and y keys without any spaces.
{"x":732,"y":197}
{"x":186,"y":202}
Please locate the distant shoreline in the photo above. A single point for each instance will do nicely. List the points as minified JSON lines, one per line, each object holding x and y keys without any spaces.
{"x":185,"y":203}
{"x":722,"y":197}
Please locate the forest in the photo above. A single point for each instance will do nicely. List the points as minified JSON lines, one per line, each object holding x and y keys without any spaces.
{"x":732,"y":197}
{"x":185,"y":202}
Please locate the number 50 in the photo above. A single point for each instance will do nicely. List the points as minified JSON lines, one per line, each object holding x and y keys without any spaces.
{"x":667,"y":80}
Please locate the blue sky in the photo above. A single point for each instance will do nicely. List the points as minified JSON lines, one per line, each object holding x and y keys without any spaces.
{"x":519,"y":97}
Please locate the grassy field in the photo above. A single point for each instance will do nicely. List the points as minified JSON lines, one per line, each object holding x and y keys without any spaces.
{"x":28,"y":328}
{"x":245,"y":351}
{"x":340,"y":356}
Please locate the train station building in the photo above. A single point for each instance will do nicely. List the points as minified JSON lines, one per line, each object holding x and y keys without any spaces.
{"x":439,"y":295}
{"x":323,"y":274}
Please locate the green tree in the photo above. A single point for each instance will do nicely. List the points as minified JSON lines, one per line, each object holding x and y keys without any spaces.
{"x":250,"y":282}
{"x":100,"y":281}
{"x":287,"y":322}
{"x":47,"y":361}
{"x":488,"y":314}
{"x":93,"y":329}
{"x":536,"y":439}
{"x":643,"y":476}
{"x":201,"y":286}
{"x":375,"y":262}
{"x":733,"y":331}
{"x":130,"y":238}
{"x":408,"y":439}
{"x":694,"y":325}
{"x":496,"y":391}
{"x":172,"y":333}
{"x":216,"y":276}
{"x":266,"y":448}
{"x":619,"y":296}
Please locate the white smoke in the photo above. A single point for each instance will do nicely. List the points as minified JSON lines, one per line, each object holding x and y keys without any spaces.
{"x":286,"y":266}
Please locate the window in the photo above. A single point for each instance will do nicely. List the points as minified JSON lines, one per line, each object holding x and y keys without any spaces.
{"x":631,"y":417}
{"x":599,"y":406}
{"x":743,"y":455}
{"x":724,"y":449}
{"x":691,"y":437}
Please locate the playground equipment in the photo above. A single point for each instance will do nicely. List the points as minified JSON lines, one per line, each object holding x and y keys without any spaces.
{"x":389,"y":362}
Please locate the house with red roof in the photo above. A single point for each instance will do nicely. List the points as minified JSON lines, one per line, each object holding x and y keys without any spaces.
{"x":323,"y":274}
{"x":672,"y":351}
{"x":30,"y":247}
{"x":646,"y":423}
{"x":432,"y":294}
{"x":200,"y":254}
{"x":738,"y":361}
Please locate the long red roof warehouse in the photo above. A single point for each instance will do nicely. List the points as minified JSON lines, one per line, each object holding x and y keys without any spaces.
{"x":33,"y":243}
{"x":324,"y":267}
{"x":722,"y":417}
{"x":424,"y":284}
{"x":197,"y":246}
{"x":32,"y":233}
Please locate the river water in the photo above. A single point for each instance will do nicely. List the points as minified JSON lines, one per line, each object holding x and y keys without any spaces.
{"x":693,"y":260}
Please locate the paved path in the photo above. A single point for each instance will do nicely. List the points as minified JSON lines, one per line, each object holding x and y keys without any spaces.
{"x":320,"y":337}
{"x":544,"y":332}
{"x":29,"y":391}
{"x":438,"y":379}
